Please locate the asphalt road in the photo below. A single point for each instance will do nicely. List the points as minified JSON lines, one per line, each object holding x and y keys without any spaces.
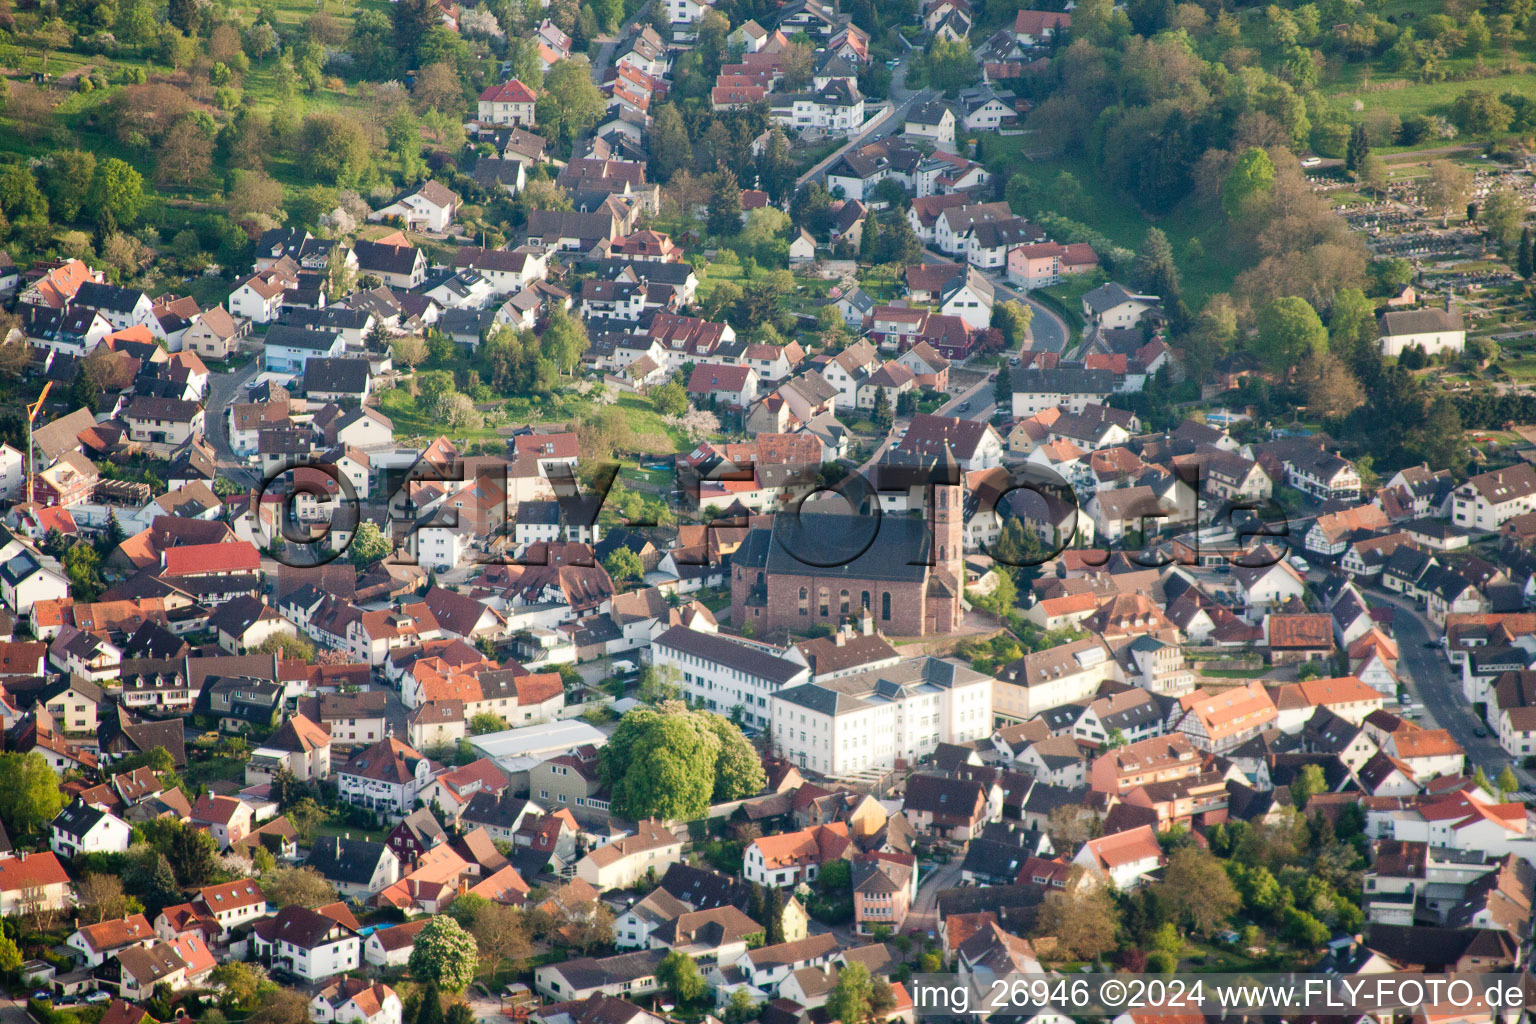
{"x":1047,"y":332}
{"x":924,"y":916}
{"x":224,"y":389}
{"x":1431,"y":681}
{"x":890,"y":124}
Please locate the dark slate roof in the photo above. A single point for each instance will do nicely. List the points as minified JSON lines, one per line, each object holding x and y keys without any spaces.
{"x":342,"y":375}
{"x":287,"y":336}
{"x":748,"y":658}
{"x":351,"y":861}
{"x":78,"y":819}
{"x":850,"y":547}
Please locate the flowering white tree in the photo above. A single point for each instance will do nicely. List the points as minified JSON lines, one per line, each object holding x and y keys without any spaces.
{"x":479,"y":21}
{"x":695,"y":423}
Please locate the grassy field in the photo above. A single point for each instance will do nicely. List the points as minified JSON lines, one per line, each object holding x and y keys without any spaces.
{"x":1115,"y":216}
{"x":401,"y":408}
{"x":1373,"y":89}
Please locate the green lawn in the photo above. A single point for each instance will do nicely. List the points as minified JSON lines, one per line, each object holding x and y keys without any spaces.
{"x":400,"y":406}
{"x":648,"y":432}
{"x":336,"y":825}
{"x":1415,"y":97}
{"x":1202,"y":265}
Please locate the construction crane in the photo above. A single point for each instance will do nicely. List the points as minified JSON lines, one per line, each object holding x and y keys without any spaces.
{"x":32,"y":411}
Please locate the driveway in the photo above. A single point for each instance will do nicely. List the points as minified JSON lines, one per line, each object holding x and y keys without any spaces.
{"x":1431,"y":681}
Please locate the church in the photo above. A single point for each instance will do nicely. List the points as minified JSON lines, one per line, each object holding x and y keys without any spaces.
{"x":823,"y":569}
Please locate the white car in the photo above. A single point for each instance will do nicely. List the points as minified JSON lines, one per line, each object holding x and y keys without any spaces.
{"x":1298,"y":563}
{"x":1312,"y":161}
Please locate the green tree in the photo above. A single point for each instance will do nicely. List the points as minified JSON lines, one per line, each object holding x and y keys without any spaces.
{"x":1196,"y":887}
{"x":1503,"y":217}
{"x":1082,"y":921}
{"x":466,"y":907}
{"x":852,"y":999}
{"x":951,"y":65}
{"x":882,"y":415}
{"x":679,"y":974}
{"x":1308,"y":782}
{"x":1359,"y":149}
{"x":369,"y":544}
{"x":623,"y":565}
{"x":690,"y":759}
{"x":444,"y":955}
{"x":1013,"y":319}
{"x":486,"y":722}
{"x":29,"y":793}
{"x":1507,"y":782}
{"x":193,"y":855}
{"x":150,"y":878}
{"x":776,"y":167}
{"x":1480,"y":112}
{"x":1156,"y":271}
{"x":740,"y":1008}
{"x":571,"y":102}
{"x":1289,"y":330}
{"x":1439,"y":440}
{"x":10,"y":955}
{"x":117,"y":193}
{"x":1526,"y":263}
{"x":430,"y":1009}
{"x":297,"y":887}
{"x":670,"y":149}
{"x":724,"y":204}
{"x":1002,"y":387}
{"x":68,"y":183}
{"x":660,"y":683}
{"x":1252,"y":178}
{"x":670,"y":398}
{"x":81,"y":563}
{"x":412,"y":21}
{"x":289,"y":645}
{"x":565,"y":339}
{"x":371,"y":45}
{"x":773,"y":910}
{"x":332,"y":148}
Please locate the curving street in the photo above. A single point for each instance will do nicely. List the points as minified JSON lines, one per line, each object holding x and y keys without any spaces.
{"x":1432,"y":681}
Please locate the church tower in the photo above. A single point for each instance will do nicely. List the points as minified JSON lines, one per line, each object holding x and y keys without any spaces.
{"x":948,"y":518}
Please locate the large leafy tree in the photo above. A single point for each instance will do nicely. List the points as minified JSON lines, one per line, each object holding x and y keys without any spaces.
{"x":670,"y":762}
{"x":117,"y":192}
{"x":1251,"y":178}
{"x":1196,"y":888}
{"x":445,"y":954}
{"x":670,"y":149}
{"x":29,"y":793}
{"x":1289,"y":331}
{"x":411,"y":20}
{"x":680,"y":974}
{"x":333,"y":148}
{"x":570,"y":103}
